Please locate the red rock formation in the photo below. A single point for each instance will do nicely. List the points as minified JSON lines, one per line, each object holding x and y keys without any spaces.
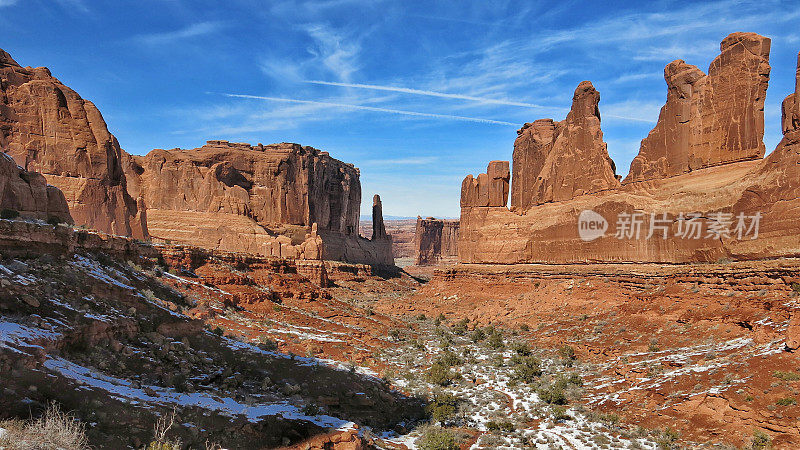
{"x":435,"y":240}
{"x":709,"y":119}
{"x":48,"y":128}
{"x":378,"y":228}
{"x":753,"y":205}
{"x":558,"y":161}
{"x":28,"y":193}
{"x":282,"y":200}
{"x":489,"y":189}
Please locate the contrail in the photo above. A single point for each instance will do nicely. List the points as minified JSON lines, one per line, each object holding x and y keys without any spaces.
{"x":460,"y":97}
{"x":373,"y":108}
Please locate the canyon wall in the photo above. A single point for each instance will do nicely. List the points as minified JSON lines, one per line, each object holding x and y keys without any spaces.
{"x":29,"y":195}
{"x":709,"y":119}
{"x":712,"y":199}
{"x":435,"y":241}
{"x":48,"y":128}
{"x":282,"y":200}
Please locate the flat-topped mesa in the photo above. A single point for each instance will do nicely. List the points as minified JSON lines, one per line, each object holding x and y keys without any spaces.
{"x":28,"y":194}
{"x":712,"y":119}
{"x":556,"y":161}
{"x":274,"y":185}
{"x":490,"y":189}
{"x":48,"y":128}
{"x":435,"y":240}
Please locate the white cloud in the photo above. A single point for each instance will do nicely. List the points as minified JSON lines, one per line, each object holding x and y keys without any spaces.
{"x":191,"y":31}
{"x":7,"y":3}
{"x":375,"y":109}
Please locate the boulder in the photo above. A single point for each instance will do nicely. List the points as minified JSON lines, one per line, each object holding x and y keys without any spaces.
{"x":28,"y":193}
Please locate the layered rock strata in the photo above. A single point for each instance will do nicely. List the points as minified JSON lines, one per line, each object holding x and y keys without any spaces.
{"x":709,"y":119}
{"x":435,"y":240}
{"x":715,"y":200}
{"x":48,"y":128}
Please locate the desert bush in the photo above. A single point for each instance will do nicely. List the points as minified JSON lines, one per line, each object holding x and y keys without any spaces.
{"x":394,"y":334}
{"x":422,"y":317}
{"x":527,"y":370}
{"x":9,"y":213}
{"x":440,"y":374}
{"x":495,"y":341}
{"x":439,"y":319}
{"x":760,"y":440}
{"x":54,"y":430}
{"x":667,"y":439}
{"x":786,"y":376}
{"x":448,"y":358}
{"x":477,"y":335}
{"x":795,"y":286}
{"x":552,"y":394}
{"x":443,"y":407}
{"x":567,"y":352}
{"x":559,"y":414}
{"x":786,"y":401}
{"x":435,"y":438}
{"x":521,"y":348}
{"x":500,"y":426}
{"x":524,"y":327}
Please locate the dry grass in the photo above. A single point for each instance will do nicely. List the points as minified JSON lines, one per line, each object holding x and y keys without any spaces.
{"x":54,"y":430}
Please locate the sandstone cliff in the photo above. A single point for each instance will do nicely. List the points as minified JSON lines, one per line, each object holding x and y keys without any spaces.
{"x":28,"y":193}
{"x":709,"y":119}
{"x":435,"y":240}
{"x":282,"y":200}
{"x":48,"y":128}
{"x":558,"y":161}
{"x":712,"y":198}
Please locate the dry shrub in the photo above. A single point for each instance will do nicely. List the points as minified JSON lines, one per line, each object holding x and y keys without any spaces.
{"x":54,"y":430}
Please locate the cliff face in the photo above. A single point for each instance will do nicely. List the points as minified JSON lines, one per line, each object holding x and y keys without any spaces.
{"x":709,"y":119}
{"x":28,"y":193}
{"x":435,"y":240}
{"x":48,"y":128}
{"x":272,"y":185}
{"x":558,"y":161}
{"x":281,"y":200}
{"x":701,"y":191}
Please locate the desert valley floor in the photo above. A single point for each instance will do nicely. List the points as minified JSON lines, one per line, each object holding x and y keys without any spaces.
{"x":247,"y":351}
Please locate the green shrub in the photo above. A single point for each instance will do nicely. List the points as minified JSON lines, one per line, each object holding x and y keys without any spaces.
{"x":435,"y":438}
{"x":667,"y":439}
{"x":527,"y":370}
{"x":422,"y":317}
{"x":760,"y":440}
{"x":559,"y":414}
{"x":477,"y":335}
{"x":443,"y":407}
{"x":552,"y":394}
{"x":786,"y":376}
{"x":795,"y":287}
{"x":9,"y":214}
{"x":448,"y":358}
{"x":440,"y":374}
{"x":524,"y":327}
{"x":500,"y":426}
{"x":786,"y":401}
{"x":495,"y":341}
{"x":566,"y":352}
{"x":521,"y":348}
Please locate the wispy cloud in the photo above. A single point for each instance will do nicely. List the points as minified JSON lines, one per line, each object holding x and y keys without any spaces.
{"x":374,"y":109}
{"x":7,"y":3}
{"x":435,"y":94}
{"x":412,"y":161}
{"x":191,"y":31}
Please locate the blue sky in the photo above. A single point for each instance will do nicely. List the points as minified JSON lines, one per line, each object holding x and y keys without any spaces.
{"x":415,"y":93}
